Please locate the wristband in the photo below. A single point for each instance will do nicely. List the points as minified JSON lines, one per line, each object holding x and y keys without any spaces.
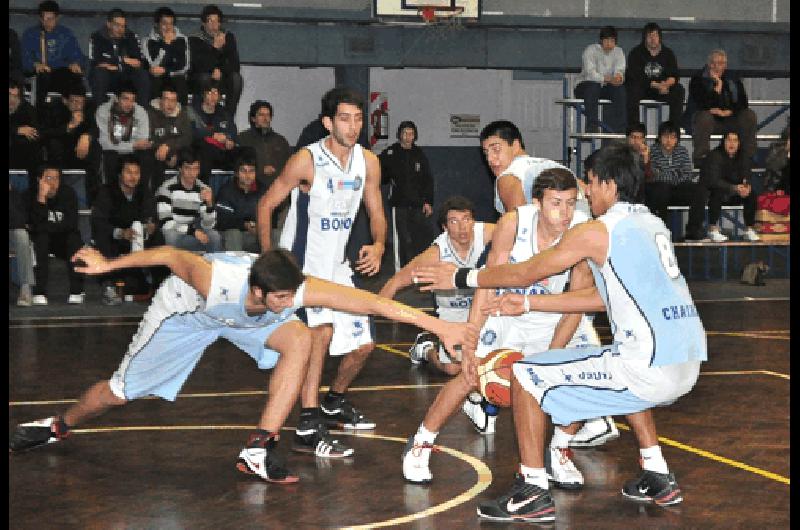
{"x":460,"y":278}
{"x":526,"y":305}
{"x":472,"y":278}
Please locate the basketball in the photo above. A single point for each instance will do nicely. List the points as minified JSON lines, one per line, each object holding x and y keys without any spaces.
{"x":494,"y":376}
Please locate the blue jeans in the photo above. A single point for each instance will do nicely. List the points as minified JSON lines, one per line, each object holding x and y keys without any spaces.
{"x":189,"y":242}
{"x":614,"y":114}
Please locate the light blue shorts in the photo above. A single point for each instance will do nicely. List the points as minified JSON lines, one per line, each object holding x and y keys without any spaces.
{"x":577,"y":384}
{"x":163,"y":354}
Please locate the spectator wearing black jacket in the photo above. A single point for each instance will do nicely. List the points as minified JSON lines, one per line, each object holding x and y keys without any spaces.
{"x":24,"y":139}
{"x":406,"y":167}
{"x":236,"y":206}
{"x":115,"y":56}
{"x":720,"y":105}
{"x":652,"y":73}
{"x":54,"y":230}
{"x":214,"y":56}
{"x":213,"y":131}
{"x":15,"y":57}
{"x":727,"y":174}
{"x":170,"y":131}
{"x":124,"y":220}
{"x":166,"y":50}
{"x":70,"y":134}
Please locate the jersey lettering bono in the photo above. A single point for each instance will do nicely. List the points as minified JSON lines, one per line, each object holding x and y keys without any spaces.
{"x":318,"y":224}
{"x":453,"y":305}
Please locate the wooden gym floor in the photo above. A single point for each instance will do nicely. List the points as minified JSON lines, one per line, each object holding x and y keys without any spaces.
{"x":161,"y":465}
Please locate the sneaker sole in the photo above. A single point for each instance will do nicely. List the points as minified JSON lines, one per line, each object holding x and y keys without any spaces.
{"x":418,"y":482}
{"x":542,"y":519}
{"x":309,"y":451}
{"x":596,"y":441}
{"x":649,"y":500}
{"x":351,"y":426}
{"x":242,"y":466}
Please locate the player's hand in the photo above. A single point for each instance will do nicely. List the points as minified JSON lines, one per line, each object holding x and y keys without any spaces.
{"x":507,"y":304}
{"x":216,"y":74}
{"x":162,"y":152}
{"x":201,"y":236}
{"x":369,"y":259}
{"x":459,"y":337}
{"x":469,"y":368}
{"x":438,"y":276}
{"x":157,"y":71}
{"x":206,"y":196}
{"x":93,"y":261}
{"x":427,"y":209}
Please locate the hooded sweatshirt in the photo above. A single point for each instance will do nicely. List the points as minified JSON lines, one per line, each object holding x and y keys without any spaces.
{"x":173,"y":57}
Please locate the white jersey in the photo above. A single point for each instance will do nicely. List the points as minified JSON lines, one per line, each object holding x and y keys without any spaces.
{"x":532,"y":332}
{"x":453,"y":305}
{"x":318,"y":224}
{"x":527,"y":169}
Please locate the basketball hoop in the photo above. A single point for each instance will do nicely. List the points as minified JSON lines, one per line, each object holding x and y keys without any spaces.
{"x":431,"y":14}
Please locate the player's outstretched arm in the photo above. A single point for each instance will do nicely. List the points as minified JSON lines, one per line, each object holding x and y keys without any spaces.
{"x":298,"y":169}
{"x":321,"y":293}
{"x":189,"y":267}
{"x":404,"y":277}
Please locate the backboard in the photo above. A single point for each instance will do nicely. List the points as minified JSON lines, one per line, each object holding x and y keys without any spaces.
{"x":419,"y":11}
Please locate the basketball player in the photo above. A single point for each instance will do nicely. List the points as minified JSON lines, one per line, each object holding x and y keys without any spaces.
{"x":327,"y":180}
{"x":514,"y":169}
{"x":519,"y":235}
{"x":659,"y":340}
{"x":248,"y":300}
{"x":462,"y":242}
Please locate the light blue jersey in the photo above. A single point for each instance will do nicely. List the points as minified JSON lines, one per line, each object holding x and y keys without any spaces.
{"x":649,"y":306}
{"x":180,"y":324}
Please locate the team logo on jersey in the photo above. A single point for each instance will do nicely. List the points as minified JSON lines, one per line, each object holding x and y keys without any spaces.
{"x":417,"y":166}
{"x":358,"y":328}
{"x":321,"y":161}
{"x":357,"y":183}
{"x":489,"y":337}
{"x":316,"y":310}
{"x":628,"y":333}
{"x":223,"y":292}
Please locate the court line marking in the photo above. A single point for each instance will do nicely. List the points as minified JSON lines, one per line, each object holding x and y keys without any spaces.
{"x":717,"y":458}
{"x":323,"y":389}
{"x":483,"y":471}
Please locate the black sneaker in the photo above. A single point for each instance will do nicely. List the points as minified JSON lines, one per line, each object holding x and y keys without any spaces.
{"x":37,"y":433}
{"x":344,"y":415}
{"x":258,"y":459}
{"x":525,"y":502}
{"x":659,"y":488}
{"x":314,"y":438}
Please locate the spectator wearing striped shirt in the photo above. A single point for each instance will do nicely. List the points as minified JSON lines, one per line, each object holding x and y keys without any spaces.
{"x":185,"y":208}
{"x":673,"y":181}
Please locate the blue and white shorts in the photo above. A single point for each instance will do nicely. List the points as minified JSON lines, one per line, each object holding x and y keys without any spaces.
{"x":578,"y":384}
{"x":164,"y":352}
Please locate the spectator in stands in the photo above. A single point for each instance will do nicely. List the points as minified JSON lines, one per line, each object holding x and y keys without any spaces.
{"x":123,"y":221}
{"x":213,"y":131}
{"x":405,"y":165}
{"x":116,"y":57}
{"x":727,"y":175}
{"x":54,"y":230}
{"x":24,"y":141}
{"x":15,"y":57}
{"x":673,"y":181}
{"x":215,"y":57}
{"x":720,"y":103}
{"x":124,"y":127}
{"x":637,"y":138}
{"x":314,"y":131}
{"x":272,"y":150}
{"x":185,"y":208}
{"x":69,"y":131}
{"x":19,"y":240}
{"x":777,"y":175}
{"x":170,"y":130}
{"x":603,"y":76}
{"x":166,"y":50}
{"x":50,"y":51}
{"x":652,"y":73}
{"x":237,"y":203}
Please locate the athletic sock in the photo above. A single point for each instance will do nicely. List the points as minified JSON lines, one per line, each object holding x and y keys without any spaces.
{"x":475,"y":396}
{"x":258,"y":436}
{"x":560,"y":438}
{"x":535,"y":475}
{"x":424,"y":435}
{"x":652,"y":460}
